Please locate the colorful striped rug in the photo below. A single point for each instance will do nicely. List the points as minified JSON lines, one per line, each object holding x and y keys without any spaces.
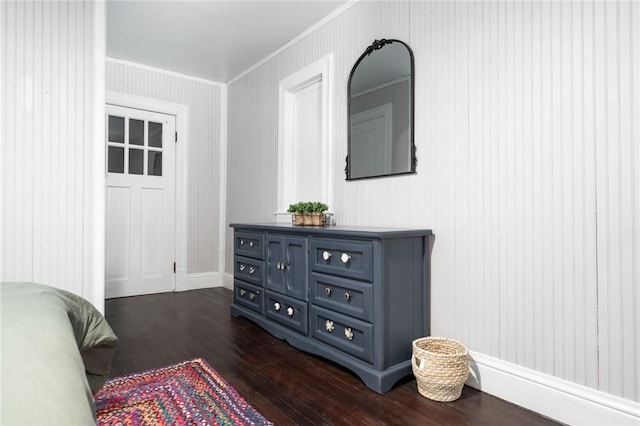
{"x":188,"y":393}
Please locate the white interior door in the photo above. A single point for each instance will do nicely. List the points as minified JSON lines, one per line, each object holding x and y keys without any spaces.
{"x":307,"y":151}
{"x":140,"y":228}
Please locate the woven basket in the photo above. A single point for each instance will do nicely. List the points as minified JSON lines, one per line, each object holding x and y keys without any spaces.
{"x":441,"y":366}
{"x":308,"y":219}
{"x":298,"y":219}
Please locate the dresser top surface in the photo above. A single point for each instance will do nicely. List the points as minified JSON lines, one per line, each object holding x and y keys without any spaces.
{"x":353,"y":231}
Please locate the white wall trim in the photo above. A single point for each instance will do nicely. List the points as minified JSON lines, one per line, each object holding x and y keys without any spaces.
{"x":320,"y":70}
{"x":203,"y":280}
{"x":550,"y":396}
{"x":163,"y":71}
{"x":227,"y":281}
{"x":182,"y":127}
{"x":339,"y":11}
{"x":222,"y":206}
{"x":95,"y":156}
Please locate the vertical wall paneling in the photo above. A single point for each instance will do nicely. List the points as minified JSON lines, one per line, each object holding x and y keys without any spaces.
{"x":634,"y":70}
{"x":521,"y":170}
{"x":588,"y":181}
{"x":527,"y":141}
{"x":3,"y":150}
{"x":615,"y":172}
{"x":628,"y":217}
{"x":48,"y":106}
{"x":459,"y":79}
{"x":602,"y":143}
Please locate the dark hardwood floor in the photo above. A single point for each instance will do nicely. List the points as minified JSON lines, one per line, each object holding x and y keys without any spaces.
{"x":286,"y":385}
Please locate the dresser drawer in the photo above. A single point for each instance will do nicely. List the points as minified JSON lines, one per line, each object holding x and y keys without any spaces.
{"x":287,"y":311}
{"x":349,"y":335}
{"x":353,"y":298}
{"x":249,"y":244}
{"x":350,"y":259}
{"x":248,"y":295}
{"x":248,"y":269}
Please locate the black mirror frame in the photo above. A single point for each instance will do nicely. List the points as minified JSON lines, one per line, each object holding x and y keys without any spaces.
{"x":377,"y":45}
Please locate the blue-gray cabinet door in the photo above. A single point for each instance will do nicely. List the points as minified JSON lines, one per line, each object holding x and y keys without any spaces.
{"x":287,"y":264}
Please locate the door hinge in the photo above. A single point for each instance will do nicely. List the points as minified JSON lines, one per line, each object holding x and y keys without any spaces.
{"x":174,"y":267}
{"x":176,"y":137}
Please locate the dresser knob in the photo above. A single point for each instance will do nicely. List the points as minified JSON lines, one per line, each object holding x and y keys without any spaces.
{"x":250,"y":243}
{"x":345,"y":257}
{"x":326,"y":255}
{"x":327,"y":291}
{"x":252,"y":270}
{"x":241,"y":242}
{"x":329,"y":326}
{"x":348,"y":333}
{"x":279,"y":265}
{"x":276,"y":306}
{"x":242,"y":292}
{"x":252,"y":296}
{"x":347,"y":296}
{"x":290,"y":311}
{"x":242,"y":267}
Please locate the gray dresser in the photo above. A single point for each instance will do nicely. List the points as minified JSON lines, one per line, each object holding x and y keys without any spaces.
{"x":356,"y":296}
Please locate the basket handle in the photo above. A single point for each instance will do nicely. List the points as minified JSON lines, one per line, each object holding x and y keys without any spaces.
{"x":419,"y":364}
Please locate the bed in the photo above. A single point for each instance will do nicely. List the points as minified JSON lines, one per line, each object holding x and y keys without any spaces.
{"x":56,"y":352}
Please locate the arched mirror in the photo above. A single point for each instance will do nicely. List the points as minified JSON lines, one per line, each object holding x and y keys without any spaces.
{"x":380,"y":112}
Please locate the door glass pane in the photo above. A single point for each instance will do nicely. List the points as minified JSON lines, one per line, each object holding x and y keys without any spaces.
{"x":155,"y":135}
{"x":116,"y":129}
{"x":115,"y":160}
{"x":136,"y":132}
{"x":155,"y":163}
{"x":136,"y":159}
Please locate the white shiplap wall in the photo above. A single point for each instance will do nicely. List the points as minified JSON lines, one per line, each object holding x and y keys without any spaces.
{"x":51,"y":93}
{"x":527,"y":139}
{"x":204,"y":102}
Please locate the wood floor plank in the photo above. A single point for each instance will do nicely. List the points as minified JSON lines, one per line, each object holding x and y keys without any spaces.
{"x":287,"y":386}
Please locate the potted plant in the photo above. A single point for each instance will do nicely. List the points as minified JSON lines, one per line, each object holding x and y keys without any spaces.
{"x":308,"y":213}
{"x":297,"y":211}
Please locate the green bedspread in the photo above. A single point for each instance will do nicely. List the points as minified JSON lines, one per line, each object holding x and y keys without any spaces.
{"x":56,"y":351}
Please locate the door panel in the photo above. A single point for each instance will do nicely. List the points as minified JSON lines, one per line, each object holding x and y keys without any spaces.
{"x":151,"y":241}
{"x":275,"y":257}
{"x":296,"y":278}
{"x":140,"y":202}
{"x":117,"y":229}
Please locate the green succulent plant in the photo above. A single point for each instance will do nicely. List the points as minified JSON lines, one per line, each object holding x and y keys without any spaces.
{"x":307,"y":207}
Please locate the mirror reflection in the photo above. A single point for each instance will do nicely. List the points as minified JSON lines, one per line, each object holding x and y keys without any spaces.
{"x":380,"y":96}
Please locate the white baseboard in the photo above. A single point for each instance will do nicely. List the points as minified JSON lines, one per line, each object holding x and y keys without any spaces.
{"x":203,"y":280}
{"x":552,"y":397}
{"x":181,"y":279}
{"x":228,"y":281}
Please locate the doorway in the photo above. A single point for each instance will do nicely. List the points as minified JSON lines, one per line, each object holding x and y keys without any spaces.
{"x":305,"y":148}
{"x":140,"y":197}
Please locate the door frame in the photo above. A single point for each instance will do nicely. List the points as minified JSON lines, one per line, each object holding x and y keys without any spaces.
{"x":181,"y":112}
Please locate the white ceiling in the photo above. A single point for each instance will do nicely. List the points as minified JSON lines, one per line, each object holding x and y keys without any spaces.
{"x":214,"y":40}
